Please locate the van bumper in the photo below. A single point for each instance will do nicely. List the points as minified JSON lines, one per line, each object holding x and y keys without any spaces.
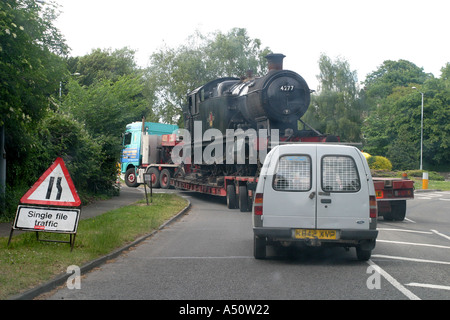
{"x":287,"y":234}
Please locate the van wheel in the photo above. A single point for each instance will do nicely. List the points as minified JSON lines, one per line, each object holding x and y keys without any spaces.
{"x":164,"y":179}
{"x":243,"y":199}
{"x":154,"y":177}
{"x":259,"y":247}
{"x":363,"y":255}
{"x":231,"y":197}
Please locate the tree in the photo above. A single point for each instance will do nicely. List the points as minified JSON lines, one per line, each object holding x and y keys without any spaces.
{"x":393,"y":125}
{"x":106,"y":95}
{"x":31,"y":68}
{"x":106,"y":107}
{"x":103,"y":64}
{"x":337,"y":108}
{"x":381,"y":83}
{"x":176,"y":71}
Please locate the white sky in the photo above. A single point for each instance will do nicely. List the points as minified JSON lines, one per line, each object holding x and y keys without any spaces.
{"x":363,"y":32}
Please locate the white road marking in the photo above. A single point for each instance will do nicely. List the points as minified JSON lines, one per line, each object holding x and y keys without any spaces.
{"x":441,"y":234}
{"x":405,"y":230}
{"x":415,"y":244}
{"x":382,"y":256}
{"x":392,"y":281}
{"x":425,"y":285}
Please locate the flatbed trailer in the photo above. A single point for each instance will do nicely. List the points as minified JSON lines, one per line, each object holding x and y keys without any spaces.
{"x":237,"y":189}
{"x":391,"y":193}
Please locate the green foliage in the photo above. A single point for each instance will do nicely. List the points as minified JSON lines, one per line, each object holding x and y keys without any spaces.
{"x":381,"y":82}
{"x":393,"y":127}
{"x":103,"y":64}
{"x":174,"y":72}
{"x":87,"y":158}
{"x":30,"y":73}
{"x":379,"y":163}
{"x":106,"y":106}
{"x":28,"y":63}
{"x":337,"y":108}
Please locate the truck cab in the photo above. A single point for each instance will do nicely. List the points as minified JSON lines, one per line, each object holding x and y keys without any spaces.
{"x":141,"y":141}
{"x":315,"y":194}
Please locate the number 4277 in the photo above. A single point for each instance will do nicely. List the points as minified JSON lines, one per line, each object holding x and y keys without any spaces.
{"x":287,"y":88}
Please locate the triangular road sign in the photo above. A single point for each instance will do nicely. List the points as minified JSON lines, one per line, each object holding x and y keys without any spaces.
{"x":54,"y":188}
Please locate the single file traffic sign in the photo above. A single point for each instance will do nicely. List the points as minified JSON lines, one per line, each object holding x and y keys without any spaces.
{"x":54,"y":188}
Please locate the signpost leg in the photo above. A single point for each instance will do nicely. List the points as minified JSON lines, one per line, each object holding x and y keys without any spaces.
{"x":10,"y":235}
{"x":145,"y":189}
{"x":72,"y":241}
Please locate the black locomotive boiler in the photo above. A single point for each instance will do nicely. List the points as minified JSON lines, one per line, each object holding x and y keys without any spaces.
{"x":276,"y":100}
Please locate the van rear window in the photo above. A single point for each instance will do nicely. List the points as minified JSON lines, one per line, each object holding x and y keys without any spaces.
{"x":339,"y":174}
{"x":293,"y":173}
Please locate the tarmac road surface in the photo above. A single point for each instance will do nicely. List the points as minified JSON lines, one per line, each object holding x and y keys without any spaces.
{"x":208,"y":254}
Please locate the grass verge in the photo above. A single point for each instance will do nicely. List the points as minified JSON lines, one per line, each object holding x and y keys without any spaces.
{"x":432,"y":185}
{"x":27,"y":263}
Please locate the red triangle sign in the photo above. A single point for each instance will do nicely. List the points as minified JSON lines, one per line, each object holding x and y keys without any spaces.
{"x":54,"y":188}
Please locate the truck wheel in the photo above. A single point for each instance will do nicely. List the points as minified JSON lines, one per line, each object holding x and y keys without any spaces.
{"x":154,"y":177}
{"x":243,"y":199}
{"x":231,"y":197}
{"x":399,"y":210}
{"x":388,"y":216}
{"x":130,"y":178}
{"x":363,"y":254}
{"x":259,"y":247}
{"x":164,"y":179}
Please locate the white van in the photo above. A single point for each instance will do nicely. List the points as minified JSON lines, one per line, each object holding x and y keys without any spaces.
{"x":315,"y":194}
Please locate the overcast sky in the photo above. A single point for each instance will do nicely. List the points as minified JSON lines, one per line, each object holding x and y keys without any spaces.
{"x":363,"y":32}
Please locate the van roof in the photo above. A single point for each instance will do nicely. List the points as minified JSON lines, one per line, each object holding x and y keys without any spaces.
{"x":320,"y":145}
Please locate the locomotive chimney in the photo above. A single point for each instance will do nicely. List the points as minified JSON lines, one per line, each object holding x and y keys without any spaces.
{"x":275,"y":61}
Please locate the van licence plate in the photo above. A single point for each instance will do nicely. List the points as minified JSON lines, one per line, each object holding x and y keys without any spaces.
{"x":315,"y":234}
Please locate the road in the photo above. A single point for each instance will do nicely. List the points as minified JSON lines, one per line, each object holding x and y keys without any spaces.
{"x":208,"y":255}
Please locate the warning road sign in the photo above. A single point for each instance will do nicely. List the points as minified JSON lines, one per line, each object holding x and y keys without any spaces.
{"x":54,"y":188}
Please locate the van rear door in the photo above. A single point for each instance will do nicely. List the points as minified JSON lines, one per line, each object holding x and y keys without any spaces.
{"x":316,"y":187}
{"x":290,"y":188}
{"x":343,"y":195}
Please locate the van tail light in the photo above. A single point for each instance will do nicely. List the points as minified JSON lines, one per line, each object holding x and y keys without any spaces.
{"x":258,"y":204}
{"x":373,"y":207}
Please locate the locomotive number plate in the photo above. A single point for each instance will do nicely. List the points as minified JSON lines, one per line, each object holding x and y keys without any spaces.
{"x":287,"y":88}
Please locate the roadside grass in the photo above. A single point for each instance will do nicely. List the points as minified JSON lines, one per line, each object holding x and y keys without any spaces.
{"x":432,"y":184}
{"x":26,"y":263}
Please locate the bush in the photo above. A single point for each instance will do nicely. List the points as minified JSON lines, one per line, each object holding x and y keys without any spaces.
{"x":379,"y":163}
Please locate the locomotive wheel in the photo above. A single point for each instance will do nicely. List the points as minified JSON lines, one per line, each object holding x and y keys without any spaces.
{"x":231,"y":197}
{"x":130,"y":178}
{"x":164,"y":179}
{"x":243,"y":199}
{"x":154,"y":177}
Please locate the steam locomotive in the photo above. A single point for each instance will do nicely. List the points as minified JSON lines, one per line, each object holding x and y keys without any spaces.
{"x":276,"y":100}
